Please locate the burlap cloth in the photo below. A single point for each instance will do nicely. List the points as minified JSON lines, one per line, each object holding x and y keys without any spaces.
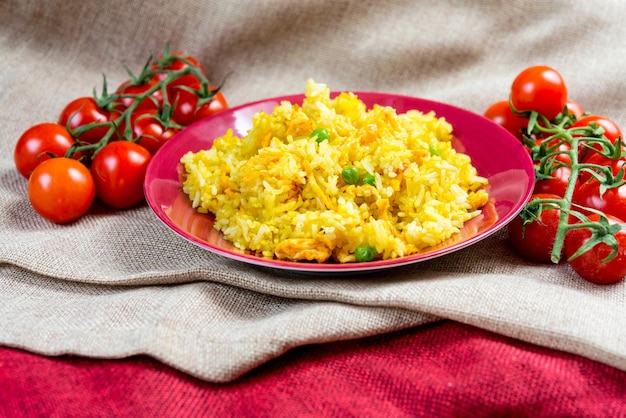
{"x":119,"y":283}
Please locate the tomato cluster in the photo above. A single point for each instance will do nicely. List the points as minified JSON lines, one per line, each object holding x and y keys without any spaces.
{"x":100,"y":146}
{"x":579,"y":200}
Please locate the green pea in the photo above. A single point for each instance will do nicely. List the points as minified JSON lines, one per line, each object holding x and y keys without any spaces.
{"x":364,"y":253}
{"x":351,"y":175}
{"x":320,"y":135}
{"x":369,"y":179}
{"x":433,"y":150}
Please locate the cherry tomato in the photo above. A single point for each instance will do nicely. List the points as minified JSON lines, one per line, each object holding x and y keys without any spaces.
{"x":539,"y":88}
{"x":557,"y":184}
{"x":187,"y":111}
{"x":37,"y":142}
{"x":83,"y":111}
{"x":151,"y":131}
{"x":611,"y":131}
{"x":574,"y":108}
{"x":590,"y":265}
{"x":183,"y":82}
{"x":119,"y":170}
{"x":534,"y":241}
{"x":612,"y":201}
{"x":61,"y":189}
{"x":127,"y":90}
{"x":176,"y":61}
{"x":604,"y":161}
{"x":501,"y":113}
{"x":181,"y":92}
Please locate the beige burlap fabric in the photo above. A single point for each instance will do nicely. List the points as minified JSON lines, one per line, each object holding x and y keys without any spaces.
{"x":119,"y":283}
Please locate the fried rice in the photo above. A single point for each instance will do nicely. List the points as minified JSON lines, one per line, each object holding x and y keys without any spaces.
{"x":279,"y":190}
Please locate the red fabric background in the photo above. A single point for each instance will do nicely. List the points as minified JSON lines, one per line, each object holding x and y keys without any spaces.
{"x":444,"y":369}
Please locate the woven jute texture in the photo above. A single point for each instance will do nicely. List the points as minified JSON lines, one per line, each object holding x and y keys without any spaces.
{"x":118,"y":283}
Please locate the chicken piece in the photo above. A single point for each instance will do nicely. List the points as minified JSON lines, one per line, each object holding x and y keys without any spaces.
{"x":297,"y":249}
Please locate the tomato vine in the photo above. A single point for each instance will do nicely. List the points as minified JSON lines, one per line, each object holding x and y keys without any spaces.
{"x":546,"y":164}
{"x":113,"y":135}
{"x":162,"y":75}
{"x":579,"y":162}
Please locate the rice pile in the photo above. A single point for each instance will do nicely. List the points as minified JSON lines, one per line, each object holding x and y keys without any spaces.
{"x":279,"y":191}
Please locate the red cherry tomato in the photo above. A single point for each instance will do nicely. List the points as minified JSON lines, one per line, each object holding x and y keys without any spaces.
{"x":61,"y":189}
{"x":150,"y":131}
{"x":602,"y":161}
{"x":119,"y":170}
{"x":574,"y":108}
{"x":175,"y":61}
{"x":611,"y":131}
{"x":590,"y":265}
{"x":501,"y":113}
{"x":83,"y":111}
{"x":127,"y":91}
{"x":557,"y":184}
{"x":37,"y":142}
{"x":534,"y":241}
{"x":181,"y":83}
{"x":182,"y":91}
{"x":612,"y":201}
{"x":539,"y":88}
{"x":187,"y":111}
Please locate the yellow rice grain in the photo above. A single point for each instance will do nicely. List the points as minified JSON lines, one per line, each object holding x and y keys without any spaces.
{"x":279,"y":193}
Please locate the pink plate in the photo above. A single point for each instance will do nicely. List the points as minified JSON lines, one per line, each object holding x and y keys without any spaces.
{"x":496,"y":154}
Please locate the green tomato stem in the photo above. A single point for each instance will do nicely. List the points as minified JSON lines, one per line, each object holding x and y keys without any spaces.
{"x":566,"y":202}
